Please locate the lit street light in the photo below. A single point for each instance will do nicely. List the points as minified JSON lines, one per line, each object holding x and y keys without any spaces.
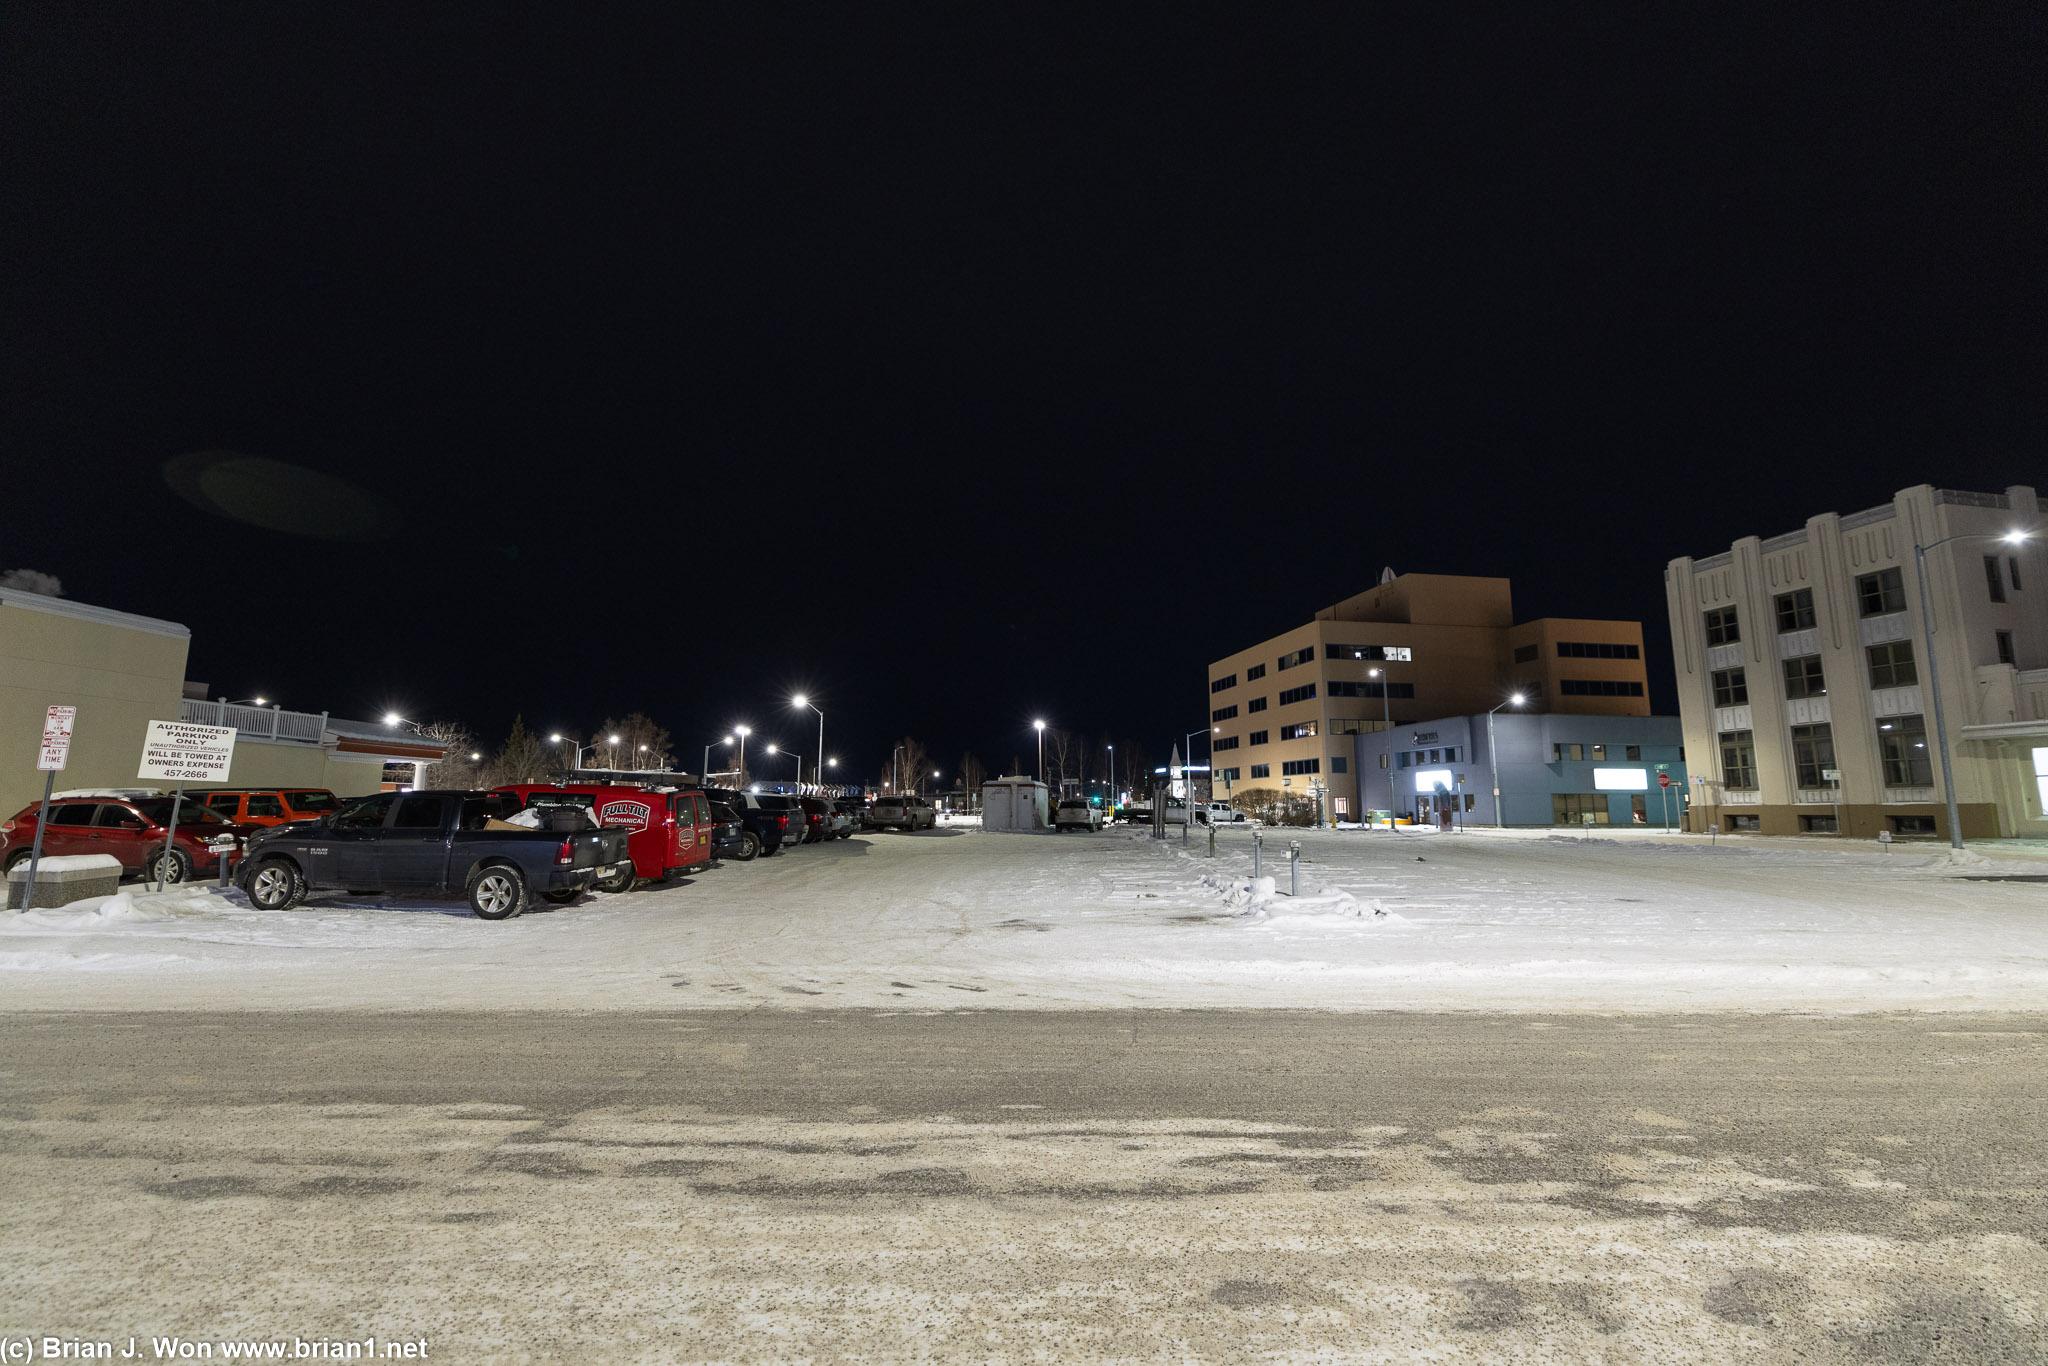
{"x":1039,"y":726}
{"x":1386,"y":729}
{"x":1948,"y":777}
{"x":802,"y":701}
{"x":1492,"y":758}
{"x":577,"y":762}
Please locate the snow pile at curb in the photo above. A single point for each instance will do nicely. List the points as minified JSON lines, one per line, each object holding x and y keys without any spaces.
{"x":132,"y":905}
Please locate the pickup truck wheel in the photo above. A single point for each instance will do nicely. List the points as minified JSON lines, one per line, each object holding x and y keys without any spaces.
{"x":181,"y":866}
{"x":750,"y":847}
{"x":496,"y":892}
{"x":276,"y":885}
{"x":621,"y":881}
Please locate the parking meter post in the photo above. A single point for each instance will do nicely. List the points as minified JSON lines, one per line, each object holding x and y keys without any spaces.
{"x":1212,"y":836}
{"x":1258,"y":841}
{"x":1294,"y":867}
{"x":35,"y":853}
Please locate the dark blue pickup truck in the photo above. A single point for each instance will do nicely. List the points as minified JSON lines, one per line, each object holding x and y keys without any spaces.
{"x":431,"y":843}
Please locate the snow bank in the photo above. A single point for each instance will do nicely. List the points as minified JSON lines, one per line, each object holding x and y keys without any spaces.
{"x":130,"y":906}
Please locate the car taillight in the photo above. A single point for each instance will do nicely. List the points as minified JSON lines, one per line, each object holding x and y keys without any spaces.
{"x":6,"y":827}
{"x":782,"y":822}
{"x":567,"y":853}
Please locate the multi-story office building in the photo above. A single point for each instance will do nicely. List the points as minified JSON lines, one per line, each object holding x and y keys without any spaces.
{"x":1283,"y":712}
{"x":1804,"y":676}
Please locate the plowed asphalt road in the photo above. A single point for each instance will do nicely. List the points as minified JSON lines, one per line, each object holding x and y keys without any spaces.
{"x":1129,"y":1185}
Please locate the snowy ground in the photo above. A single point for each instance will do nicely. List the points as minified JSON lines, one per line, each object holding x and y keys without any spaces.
{"x":958,"y":918}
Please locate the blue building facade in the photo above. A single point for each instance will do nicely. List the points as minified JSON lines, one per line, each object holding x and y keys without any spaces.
{"x":1554,"y":769}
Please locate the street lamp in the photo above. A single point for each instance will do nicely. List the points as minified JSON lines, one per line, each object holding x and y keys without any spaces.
{"x":1948,"y":777}
{"x":802,"y":701}
{"x":705,"y":775}
{"x":1386,"y":729}
{"x":1492,"y":757}
{"x":794,"y":755}
{"x":1112,"y":771}
{"x":582,"y":750}
{"x":1039,"y":726}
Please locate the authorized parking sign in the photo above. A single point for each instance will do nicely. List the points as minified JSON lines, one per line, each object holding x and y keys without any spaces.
{"x":187,"y":753}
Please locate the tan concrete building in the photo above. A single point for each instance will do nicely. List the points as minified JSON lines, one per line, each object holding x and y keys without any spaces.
{"x":123,"y":671}
{"x":1804,"y":682}
{"x":1282,"y":712}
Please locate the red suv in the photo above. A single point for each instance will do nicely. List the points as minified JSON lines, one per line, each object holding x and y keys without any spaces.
{"x":131,"y":829}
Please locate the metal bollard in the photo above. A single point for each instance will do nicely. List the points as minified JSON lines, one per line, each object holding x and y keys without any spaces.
{"x":1212,"y":837}
{"x":1258,"y":841}
{"x":1294,"y":867}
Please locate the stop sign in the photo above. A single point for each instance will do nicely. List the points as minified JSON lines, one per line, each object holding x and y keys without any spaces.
{"x":1663,"y":780}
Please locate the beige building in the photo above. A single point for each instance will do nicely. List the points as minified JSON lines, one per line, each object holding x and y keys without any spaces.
{"x":120,"y":671}
{"x":1804,"y":677}
{"x":1282,"y":713}
{"x":123,"y":671}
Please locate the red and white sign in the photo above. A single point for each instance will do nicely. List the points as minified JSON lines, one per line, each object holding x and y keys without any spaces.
{"x":57,"y":724}
{"x":1663,"y":780}
{"x":188,"y":753}
{"x":633,"y":815}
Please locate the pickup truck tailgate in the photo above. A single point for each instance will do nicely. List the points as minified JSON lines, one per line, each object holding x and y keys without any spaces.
{"x":599,"y":848}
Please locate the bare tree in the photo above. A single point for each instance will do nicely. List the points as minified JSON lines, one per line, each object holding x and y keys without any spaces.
{"x":463,"y":765}
{"x":1060,"y":745}
{"x":972,"y":774}
{"x":640,"y":744}
{"x":916,"y":764}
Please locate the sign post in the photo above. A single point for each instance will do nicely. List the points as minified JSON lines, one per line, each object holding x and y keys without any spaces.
{"x":1664,"y":794}
{"x":58,"y":723}
{"x":174,"y":749}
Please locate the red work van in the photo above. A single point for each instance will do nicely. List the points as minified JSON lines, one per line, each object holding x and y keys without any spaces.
{"x":672,"y":830}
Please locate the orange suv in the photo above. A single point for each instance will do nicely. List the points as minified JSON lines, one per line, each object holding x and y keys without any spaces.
{"x":267,"y":805}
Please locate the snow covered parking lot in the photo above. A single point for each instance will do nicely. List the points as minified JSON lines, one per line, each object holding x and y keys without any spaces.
{"x":957,"y":918}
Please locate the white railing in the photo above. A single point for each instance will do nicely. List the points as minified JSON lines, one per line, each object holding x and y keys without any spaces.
{"x":256,"y":723}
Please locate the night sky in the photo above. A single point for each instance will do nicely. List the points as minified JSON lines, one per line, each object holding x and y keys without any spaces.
{"x":690,"y":360}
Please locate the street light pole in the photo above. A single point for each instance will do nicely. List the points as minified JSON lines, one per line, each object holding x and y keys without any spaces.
{"x":1039,"y":726}
{"x":1112,"y":769}
{"x":1493,"y":757}
{"x":802,"y":701}
{"x":1386,"y":729}
{"x":1948,"y":777}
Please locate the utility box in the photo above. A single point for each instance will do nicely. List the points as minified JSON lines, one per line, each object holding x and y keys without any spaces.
{"x":1014,"y":804}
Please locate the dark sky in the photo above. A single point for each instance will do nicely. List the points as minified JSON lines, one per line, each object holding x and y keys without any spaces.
{"x":740,"y":349}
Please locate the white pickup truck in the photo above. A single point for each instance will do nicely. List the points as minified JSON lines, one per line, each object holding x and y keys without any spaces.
{"x":1221,"y":813}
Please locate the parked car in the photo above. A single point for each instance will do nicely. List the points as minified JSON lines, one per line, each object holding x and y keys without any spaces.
{"x":851,"y":815}
{"x":1077,"y":813}
{"x":131,"y":829}
{"x":1221,"y":813}
{"x":671,"y":829}
{"x":437,"y":843}
{"x":824,"y":819}
{"x":910,"y":812}
{"x":267,"y":805}
{"x":766,"y":816}
{"x":728,"y":836}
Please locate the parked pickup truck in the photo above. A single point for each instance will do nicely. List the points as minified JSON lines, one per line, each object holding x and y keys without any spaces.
{"x":432,"y":843}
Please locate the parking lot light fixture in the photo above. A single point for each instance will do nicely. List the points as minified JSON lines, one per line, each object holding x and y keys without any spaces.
{"x":392,"y":718}
{"x":1492,"y":756}
{"x":1948,"y":777}
{"x":800,"y":701}
{"x":1039,"y":726}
